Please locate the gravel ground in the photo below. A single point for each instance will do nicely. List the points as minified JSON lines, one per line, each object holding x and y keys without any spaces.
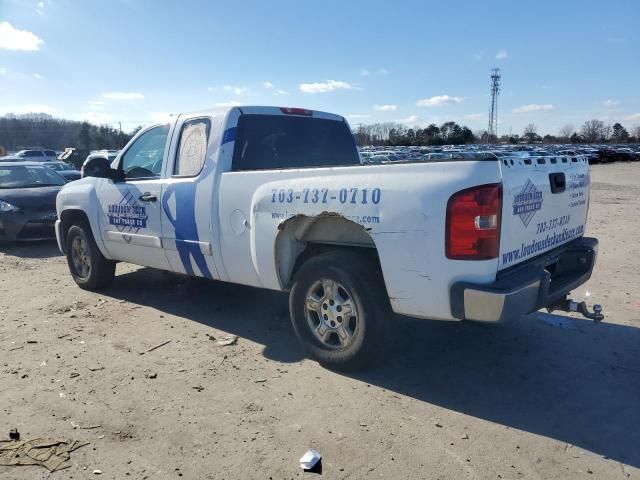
{"x":541,"y":397}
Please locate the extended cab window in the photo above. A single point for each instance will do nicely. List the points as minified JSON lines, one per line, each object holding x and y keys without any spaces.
{"x":291,"y":141}
{"x":143,"y":159}
{"x":192,"y":148}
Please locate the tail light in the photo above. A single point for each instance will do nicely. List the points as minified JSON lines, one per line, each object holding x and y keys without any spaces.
{"x":473,"y":223}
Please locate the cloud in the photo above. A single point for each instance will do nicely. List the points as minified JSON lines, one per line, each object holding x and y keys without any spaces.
{"x":534,"y":107}
{"x":439,"y":101}
{"x":356,"y":116}
{"x":3,"y":70}
{"x":159,"y":117}
{"x":502,"y":54}
{"x":474,"y":116}
{"x":478,"y":56}
{"x":28,"y":108}
{"x":633,"y":117}
{"x":267,"y":84}
{"x":411,"y":120}
{"x":281,"y":92}
{"x":383,"y":71}
{"x":385,"y":108}
{"x":122,"y":95}
{"x":230,"y":103}
{"x":18,"y":40}
{"x":235,"y":90}
{"x":611,"y":103}
{"x":364,"y":72}
{"x":95,"y":117}
{"x":211,"y":89}
{"x":96,"y":104}
{"x":37,"y":76}
{"x":324,"y":87}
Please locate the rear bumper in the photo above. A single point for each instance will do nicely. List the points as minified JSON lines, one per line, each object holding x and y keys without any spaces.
{"x":525,"y":288}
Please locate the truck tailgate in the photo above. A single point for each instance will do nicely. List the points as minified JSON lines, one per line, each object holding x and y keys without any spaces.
{"x":545,"y":203}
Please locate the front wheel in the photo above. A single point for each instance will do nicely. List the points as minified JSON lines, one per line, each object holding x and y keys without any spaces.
{"x":338,"y":304}
{"x":88,"y":267}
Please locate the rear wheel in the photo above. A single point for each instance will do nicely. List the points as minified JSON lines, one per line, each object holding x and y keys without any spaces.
{"x":88,"y":267}
{"x":338,"y":304}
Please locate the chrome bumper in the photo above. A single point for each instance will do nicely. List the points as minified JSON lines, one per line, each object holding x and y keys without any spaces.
{"x":527,"y":287}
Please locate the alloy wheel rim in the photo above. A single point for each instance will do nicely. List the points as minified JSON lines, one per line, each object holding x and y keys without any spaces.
{"x":331,"y":314}
{"x":80,"y":257}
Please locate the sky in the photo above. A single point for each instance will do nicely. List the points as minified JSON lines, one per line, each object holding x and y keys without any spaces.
{"x":414,"y":62}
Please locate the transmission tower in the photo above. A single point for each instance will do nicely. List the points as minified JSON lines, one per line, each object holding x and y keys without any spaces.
{"x":493,"y":114}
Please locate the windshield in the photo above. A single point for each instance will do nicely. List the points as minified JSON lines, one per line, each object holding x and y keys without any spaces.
{"x":22,"y":176}
{"x":58,"y":166}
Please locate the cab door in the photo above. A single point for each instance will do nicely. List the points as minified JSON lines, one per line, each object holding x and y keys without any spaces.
{"x":130,"y":222}
{"x":187,"y":198}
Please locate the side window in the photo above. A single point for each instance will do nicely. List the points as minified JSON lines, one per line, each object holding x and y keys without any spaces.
{"x":33,"y":154}
{"x":144,"y":158}
{"x":192,"y":148}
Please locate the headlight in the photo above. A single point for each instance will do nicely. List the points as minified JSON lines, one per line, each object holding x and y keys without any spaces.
{"x":7,"y":207}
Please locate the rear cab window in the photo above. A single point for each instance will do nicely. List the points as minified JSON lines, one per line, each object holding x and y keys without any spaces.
{"x":291,"y":141}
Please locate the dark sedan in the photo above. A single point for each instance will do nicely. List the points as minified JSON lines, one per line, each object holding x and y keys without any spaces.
{"x":28,"y":201}
{"x":64,"y":169}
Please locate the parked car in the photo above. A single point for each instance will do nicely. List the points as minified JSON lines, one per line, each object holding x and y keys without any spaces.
{"x":28,"y":201}
{"x":32,"y":155}
{"x":278,"y":198}
{"x":64,"y":169}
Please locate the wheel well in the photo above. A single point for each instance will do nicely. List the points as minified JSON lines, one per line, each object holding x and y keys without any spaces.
{"x":69,"y":218}
{"x":303,"y":237}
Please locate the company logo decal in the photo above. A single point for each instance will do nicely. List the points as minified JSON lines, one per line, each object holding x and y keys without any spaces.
{"x":127,"y":216}
{"x":527,"y":202}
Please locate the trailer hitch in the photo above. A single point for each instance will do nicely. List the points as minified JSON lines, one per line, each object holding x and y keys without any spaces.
{"x":568,"y":305}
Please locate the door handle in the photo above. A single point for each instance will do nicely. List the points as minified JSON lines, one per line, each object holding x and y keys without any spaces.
{"x":147,"y":197}
{"x":558,"y":182}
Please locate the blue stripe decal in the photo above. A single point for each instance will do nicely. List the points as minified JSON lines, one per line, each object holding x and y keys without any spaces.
{"x":229,"y":135}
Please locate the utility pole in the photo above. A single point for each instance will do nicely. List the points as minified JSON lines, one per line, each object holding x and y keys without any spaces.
{"x":493,"y":113}
{"x":120,"y":126}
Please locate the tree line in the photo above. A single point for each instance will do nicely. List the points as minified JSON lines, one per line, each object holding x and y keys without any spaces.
{"x":450,"y":133}
{"x":39,"y":129}
{"x":397,"y":134}
{"x":591,"y":131}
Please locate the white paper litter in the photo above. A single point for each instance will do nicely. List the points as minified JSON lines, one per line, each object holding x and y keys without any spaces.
{"x":309,"y":459}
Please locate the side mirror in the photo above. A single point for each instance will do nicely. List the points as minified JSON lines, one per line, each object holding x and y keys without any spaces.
{"x":98,"y":167}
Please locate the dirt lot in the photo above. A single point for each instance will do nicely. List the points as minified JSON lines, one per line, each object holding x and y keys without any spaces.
{"x":545,"y":396}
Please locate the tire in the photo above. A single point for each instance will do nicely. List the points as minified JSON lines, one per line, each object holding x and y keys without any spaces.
{"x":89,"y":268}
{"x":328,"y":285}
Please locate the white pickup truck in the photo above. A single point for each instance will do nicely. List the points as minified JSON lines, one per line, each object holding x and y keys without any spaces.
{"x":277,"y":198}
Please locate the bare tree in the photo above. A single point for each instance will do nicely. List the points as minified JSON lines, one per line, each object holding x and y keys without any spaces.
{"x":592,"y":130}
{"x":566,"y":131}
{"x":636,"y":131}
{"x":530,"y":132}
